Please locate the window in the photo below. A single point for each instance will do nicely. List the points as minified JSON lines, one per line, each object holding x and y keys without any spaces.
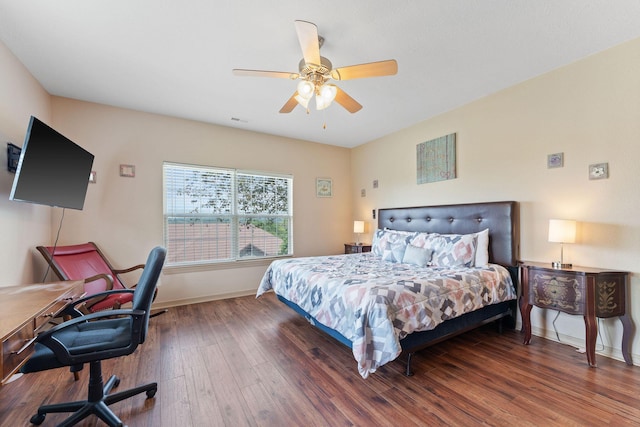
{"x":216,"y":215}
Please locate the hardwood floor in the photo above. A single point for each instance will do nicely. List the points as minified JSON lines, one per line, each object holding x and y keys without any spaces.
{"x":255,"y":362}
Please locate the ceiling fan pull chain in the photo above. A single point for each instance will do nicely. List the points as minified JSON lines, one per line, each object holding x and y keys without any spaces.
{"x":324,"y":119}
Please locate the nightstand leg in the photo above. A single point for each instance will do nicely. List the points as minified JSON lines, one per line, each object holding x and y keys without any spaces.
{"x":592,"y":334}
{"x":525,"y":311}
{"x":627,"y":333}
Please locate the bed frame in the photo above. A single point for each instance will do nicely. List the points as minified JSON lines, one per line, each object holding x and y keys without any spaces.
{"x":502,"y":220}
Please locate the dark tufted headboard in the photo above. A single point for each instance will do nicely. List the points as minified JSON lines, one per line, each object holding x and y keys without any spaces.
{"x":501,"y":218}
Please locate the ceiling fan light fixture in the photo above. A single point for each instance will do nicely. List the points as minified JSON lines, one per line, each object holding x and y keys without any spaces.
{"x":321,"y":104}
{"x":302,"y":101}
{"x":306,"y":89}
{"x":325,"y":96}
{"x":328,"y":92}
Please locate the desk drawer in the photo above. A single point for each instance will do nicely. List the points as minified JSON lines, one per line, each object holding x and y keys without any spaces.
{"x":48,"y":314}
{"x":54,"y":309}
{"x":10,"y":346}
{"x":558,"y":291}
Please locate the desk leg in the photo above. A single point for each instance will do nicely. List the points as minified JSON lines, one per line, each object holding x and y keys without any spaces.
{"x":592,"y":334}
{"x":627,"y":333}
{"x":525,"y":311}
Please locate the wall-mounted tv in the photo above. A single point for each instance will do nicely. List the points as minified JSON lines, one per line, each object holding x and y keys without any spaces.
{"x":52,"y":169}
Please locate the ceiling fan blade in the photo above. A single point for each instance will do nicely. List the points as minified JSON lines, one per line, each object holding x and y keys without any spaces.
{"x":371,"y":69}
{"x":290,"y":104}
{"x":350,"y":104}
{"x":308,"y":38}
{"x":260,"y":73}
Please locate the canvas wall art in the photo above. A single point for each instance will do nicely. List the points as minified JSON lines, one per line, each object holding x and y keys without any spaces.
{"x":436,"y":159}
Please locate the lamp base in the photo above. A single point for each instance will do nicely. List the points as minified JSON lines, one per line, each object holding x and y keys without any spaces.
{"x":557,"y":264}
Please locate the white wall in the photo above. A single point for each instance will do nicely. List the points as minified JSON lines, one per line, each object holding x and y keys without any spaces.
{"x":22,"y":225}
{"x":124,"y":215}
{"x":590,"y":111}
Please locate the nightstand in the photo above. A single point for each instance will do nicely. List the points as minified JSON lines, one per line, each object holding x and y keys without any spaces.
{"x":355,"y":248}
{"x":590,"y":292}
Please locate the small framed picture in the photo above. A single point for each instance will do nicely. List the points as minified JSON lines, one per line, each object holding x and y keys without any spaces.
{"x":555,"y":160}
{"x":599,"y":171}
{"x":128,"y":171}
{"x":324,"y":187}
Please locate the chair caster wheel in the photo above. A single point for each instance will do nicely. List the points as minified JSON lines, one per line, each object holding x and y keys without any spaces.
{"x":116,"y":383}
{"x":37,"y":419}
{"x":151,"y":393}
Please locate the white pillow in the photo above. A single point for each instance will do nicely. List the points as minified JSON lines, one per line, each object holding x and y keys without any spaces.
{"x":482,"y":248}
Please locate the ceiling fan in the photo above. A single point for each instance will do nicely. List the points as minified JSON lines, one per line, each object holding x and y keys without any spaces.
{"x":316,"y":71}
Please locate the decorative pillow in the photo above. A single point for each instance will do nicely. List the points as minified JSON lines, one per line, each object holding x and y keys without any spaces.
{"x":420,"y":239}
{"x":417,"y":256}
{"x":431,"y":241}
{"x":482,"y":248}
{"x":390,"y":244}
{"x":396,"y":252}
{"x":454,"y":250}
{"x":375,"y":242}
{"x":439,"y":250}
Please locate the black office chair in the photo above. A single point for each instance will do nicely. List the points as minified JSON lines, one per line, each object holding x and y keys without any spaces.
{"x":96,"y":337}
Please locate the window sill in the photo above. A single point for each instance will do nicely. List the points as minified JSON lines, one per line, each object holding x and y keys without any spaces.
{"x":212,"y":266}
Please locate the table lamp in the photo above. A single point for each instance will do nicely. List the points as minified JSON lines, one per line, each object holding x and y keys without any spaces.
{"x":358,"y":228}
{"x":562,"y":231}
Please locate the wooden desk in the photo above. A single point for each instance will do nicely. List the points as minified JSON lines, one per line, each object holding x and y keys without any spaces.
{"x":24,"y":311}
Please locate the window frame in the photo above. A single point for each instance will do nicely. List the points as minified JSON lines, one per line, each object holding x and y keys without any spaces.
{"x":236,"y":217}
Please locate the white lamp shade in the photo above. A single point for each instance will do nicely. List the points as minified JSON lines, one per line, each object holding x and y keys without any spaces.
{"x":302,"y":101}
{"x":328,"y":92}
{"x":325,"y":96}
{"x":562,"y":231}
{"x":321,"y":103}
{"x":358,"y":226}
{"x":306,"y":89}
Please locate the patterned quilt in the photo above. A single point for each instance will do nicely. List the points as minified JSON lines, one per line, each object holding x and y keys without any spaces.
{"x":376,"y":303}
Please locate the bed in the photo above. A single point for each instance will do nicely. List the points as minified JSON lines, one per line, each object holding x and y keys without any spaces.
{"x":434,"y":272}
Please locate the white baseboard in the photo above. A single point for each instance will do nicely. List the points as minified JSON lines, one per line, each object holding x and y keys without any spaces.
{"x":168,"y":304}
{"x":606,"y":351}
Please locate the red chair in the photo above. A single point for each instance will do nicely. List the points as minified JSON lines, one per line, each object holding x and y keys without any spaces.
{"x":86,"y":262}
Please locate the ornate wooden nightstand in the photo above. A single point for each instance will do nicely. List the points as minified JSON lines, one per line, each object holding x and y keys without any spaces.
{"x":591,"y":292}
{"x":354,"y":248}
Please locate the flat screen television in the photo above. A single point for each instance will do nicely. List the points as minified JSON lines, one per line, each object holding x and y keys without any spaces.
{"x":52,"y":169}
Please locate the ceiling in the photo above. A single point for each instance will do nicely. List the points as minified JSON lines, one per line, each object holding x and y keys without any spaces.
{"x":175,"y":58}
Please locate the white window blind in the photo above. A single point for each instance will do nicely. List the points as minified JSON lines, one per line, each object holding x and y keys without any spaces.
{"x":216,"y":214}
